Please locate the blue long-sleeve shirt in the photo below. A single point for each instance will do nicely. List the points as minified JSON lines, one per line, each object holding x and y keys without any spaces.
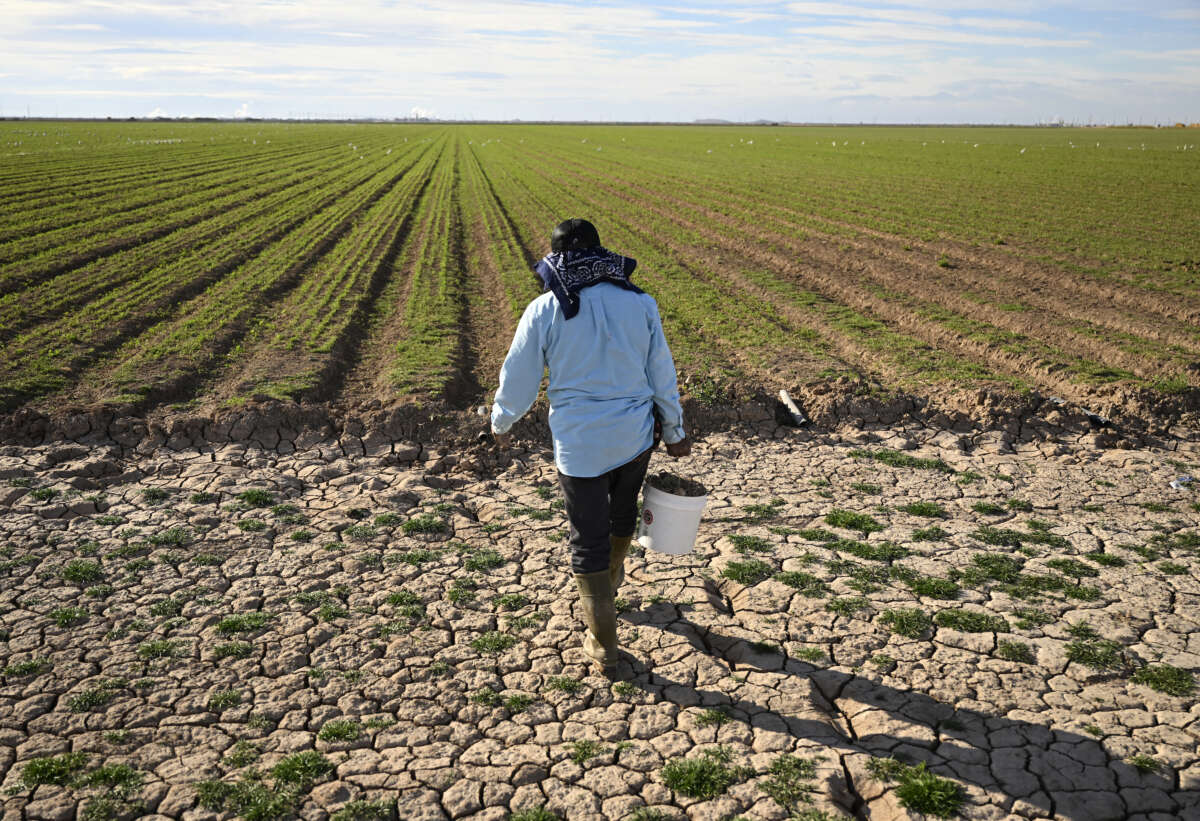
{"x":609,"y":368}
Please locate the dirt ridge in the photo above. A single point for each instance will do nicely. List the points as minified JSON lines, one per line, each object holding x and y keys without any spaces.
{"x":1141,"y":417}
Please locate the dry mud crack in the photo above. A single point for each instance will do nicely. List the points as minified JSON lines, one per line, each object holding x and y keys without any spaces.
{"x":373,"y":630}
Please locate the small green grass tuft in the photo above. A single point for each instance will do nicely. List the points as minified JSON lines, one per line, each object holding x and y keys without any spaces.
{"x":81,"y":572}
{"x":68,"y":616}
{"x":899,"y":459}
{"x":1099,"y":654}
{"x":790,"y":783}
{"x":933,"y":588}
{"x":564,"y":684}
{"x":806,"y":583}
{"x":59,"y":770}
{"x":584,"y":751}
{"x":749,"y":572}
{"x":360,"y":533}
{"x":417,"y":557}
{"x":1073,"y":567}
{"x":340,"y":729}
{"x":988,"y":508}
{"x":511,"y":601}
{"x":1105,"y":559}
{"x":493,"y":642}
{"x":362,"y":810}
{"x":1028,"y":618}
{"x":908,"y":622}
{"x":257,"y":497}
{"x":534,"y":814}
{"x":159,"y":649}
{"x":750,"y":544}
{"x":930,"y":534}
{"x":224,"y":700}
{"x":243,"y":623}
{"x":921,"y":791}
{"x":1174,"y":681}
{"x":849,"y":520}
{"x":483,"y":560}
{"x":971,"y":621}
{"x":930,"y":510}
{"x":704,"y":777}
{"x":517,"y":702}
{"x":713,"y":717}
{"x":301,"y":770}
{"x":1014,"y":651}
{"x":816,"y":534}
{"x":233,"y":649}
{"x":30,"y":667}
{"x":810,"y":654}
{"x":1145,"y":764}
{"x":424,"y":523}
{"x":876,"y":552}
{"x":847,"y":605}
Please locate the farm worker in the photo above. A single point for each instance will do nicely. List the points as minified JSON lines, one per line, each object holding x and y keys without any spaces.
{"x":611,"y":376}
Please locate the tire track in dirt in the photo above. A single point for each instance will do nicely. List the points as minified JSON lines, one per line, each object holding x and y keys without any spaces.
{"x":173,"y":382}
{"x":898,"y":282}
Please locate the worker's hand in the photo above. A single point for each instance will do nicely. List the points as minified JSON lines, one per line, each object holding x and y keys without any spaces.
{"x":681,"y":448}
{"x":503,"y":440}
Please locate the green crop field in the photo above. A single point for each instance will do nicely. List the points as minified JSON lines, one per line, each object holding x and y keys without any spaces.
{"x":207,"y":264}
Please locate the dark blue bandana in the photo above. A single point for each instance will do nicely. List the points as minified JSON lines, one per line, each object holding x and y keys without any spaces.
{"x":566,"y":273}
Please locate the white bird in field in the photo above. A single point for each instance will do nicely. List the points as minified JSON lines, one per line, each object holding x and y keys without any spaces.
{"x":1022,"y":150}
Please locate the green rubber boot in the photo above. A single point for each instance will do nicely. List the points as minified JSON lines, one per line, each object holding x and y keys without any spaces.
{"x":600,"y":616}
{"x":616,"y":562}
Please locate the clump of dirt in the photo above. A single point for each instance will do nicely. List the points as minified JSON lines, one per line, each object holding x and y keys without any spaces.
{"x":676,"y":485}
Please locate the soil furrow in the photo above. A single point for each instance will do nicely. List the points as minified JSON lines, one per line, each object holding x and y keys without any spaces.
{"x":1094,"y":299}
{"x":361,"y":380}
{"x":487,"y":315}
{"x":268,"y":365}
{"x":153,"y":228}
{"x":79,"y":210}
{"x":180,"y":379}
{"x":35,"y":315}
{"x":898,"y":282}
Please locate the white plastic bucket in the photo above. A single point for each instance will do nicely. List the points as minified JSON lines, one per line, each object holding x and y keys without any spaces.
{"x":669,"y":522}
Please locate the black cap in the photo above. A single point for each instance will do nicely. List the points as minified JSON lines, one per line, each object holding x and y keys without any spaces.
{"x":574,"y":235}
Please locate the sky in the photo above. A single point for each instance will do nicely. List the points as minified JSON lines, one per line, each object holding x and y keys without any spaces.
{"x":871,"y":61}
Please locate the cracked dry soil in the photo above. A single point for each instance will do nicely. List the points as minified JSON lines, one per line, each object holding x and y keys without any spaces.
{"x":411,"y":625}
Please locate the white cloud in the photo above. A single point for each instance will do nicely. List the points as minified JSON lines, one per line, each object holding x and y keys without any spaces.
{"x":491,"y":59}
{"x":242,"y":111}
{"x":157,"y":112}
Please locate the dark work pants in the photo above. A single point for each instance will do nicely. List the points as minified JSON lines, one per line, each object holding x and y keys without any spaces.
{"x":598,"y":506}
